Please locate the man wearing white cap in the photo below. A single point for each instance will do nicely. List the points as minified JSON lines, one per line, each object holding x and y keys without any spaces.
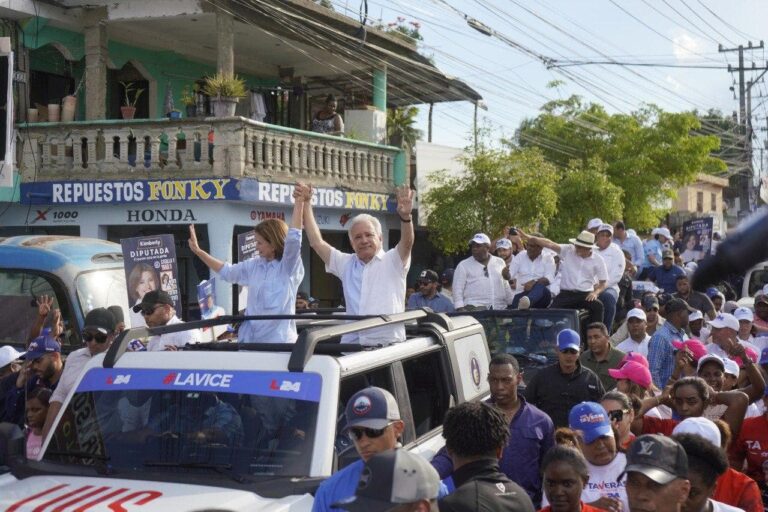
{"x":9,"y":369}
{"x":745,"y":318}
{"x":504,"y":250}
{"x":653,"y":249}
{"x":638,"y":339}
{"x":594,"y":224}
{"x":724,"y":330}
{"x":477,"y":281}
{"x":583,"y":273}
{"x":615,"y":263}
{"x":696,"y":326}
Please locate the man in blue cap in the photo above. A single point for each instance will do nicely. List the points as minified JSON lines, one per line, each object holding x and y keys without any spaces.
{"x":557,"y":388}
{"x":43,"y":368}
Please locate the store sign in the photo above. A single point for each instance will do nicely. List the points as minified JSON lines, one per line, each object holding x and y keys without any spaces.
{"x":201,"y":189}
{"x":262,"y":215}
{"x":164,"y":216}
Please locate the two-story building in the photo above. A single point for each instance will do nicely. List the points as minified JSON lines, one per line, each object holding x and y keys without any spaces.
{"x":102,"y":176}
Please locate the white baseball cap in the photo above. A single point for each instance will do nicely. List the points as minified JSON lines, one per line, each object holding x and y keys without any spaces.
{"x":731,"y":367}
{"x":503,"y":243}
{"x":743,"y":314}
{"x":725,"y":320}
{"x":636,"y":313}
{"x":699,"y":426}
{"x":480,"y":238}
{"x":696,"y":315}
{"x":710,"y":357}
{"x":8,"y":354}
{"x":595,"y":223}
{"x":664,"y":232}
{"x":605,"y":227}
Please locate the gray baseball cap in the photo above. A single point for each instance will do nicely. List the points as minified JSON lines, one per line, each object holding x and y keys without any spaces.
{"x":392,"y":478}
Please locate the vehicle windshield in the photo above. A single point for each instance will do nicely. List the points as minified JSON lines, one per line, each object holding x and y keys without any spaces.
{"x":101,"y":289}
{"x":758,"y":279}
{"x":236,"y":423}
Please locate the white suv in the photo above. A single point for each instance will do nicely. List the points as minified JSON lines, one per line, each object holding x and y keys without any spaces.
{"x":238,"y":427}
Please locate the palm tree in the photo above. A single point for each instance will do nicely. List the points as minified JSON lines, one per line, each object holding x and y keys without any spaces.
{"x":401,"y":130}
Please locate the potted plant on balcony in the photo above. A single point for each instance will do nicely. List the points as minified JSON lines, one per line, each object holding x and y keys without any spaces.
{"x":132,"y":94}
{"x":401,"y":127}
{"x":189,"y":99}
{"x":225,"y":90}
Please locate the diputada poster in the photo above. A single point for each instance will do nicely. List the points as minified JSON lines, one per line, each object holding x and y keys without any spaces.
{"x":246,"y":249}
{"x":697,"y":239}
{"x":150,"y":264}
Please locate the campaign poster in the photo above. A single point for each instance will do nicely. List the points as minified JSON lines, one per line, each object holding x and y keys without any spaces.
{"x":697,"y":239}
{"x":150,"y":264}
{"x":206,"y":298}
{"x":246,"y":249}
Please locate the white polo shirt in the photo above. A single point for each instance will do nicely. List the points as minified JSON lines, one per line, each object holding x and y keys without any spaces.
{"x":472,"y":286}
{"x":178,"y":339}
{"x":523,"y":269}
{"x":614,"y":264}
{"x":630,"y":345}
{"x":580,"y":274}
{"x":373,"y":288}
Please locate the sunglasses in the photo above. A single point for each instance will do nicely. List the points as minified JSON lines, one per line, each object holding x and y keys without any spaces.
{"x":89,"y":337}
{"x":149,"y":311}
{"x":616,"y":415}
{"x":356,"y":433}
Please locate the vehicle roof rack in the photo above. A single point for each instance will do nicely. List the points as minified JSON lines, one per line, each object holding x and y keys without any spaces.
{"x":301,"y":351}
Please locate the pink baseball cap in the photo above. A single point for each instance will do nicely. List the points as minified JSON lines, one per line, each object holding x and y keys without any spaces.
{"x":695,"y":346}
{"x":636,"y":357}
{"x":751,"y":354}
{"x":633,"y":371}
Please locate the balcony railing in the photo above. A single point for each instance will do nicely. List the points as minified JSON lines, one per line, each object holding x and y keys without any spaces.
{"x":119,"y":149}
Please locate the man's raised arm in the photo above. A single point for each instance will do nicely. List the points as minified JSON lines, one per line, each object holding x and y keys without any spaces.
{"x":544,"y":242}
{"x":303,"y":192}
{"x":404,"y":211}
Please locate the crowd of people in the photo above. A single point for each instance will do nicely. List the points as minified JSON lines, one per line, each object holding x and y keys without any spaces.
{"x":662,"y":405}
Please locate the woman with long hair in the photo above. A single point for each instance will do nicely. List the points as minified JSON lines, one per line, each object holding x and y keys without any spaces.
{"x":621,"y":413}
{"x":143,"y":278}
{"x":272,"y":277}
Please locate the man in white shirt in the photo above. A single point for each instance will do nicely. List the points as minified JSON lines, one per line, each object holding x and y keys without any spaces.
{"x":477,"y":281}
{"x":638,"y":339}
{"x":745,"y":318}
{"x":584,"y":274}
{"x":98,"y":334}
{"x":724,"y":330}
{"x":615,"y":263}
{"x":373,"y":280}
{"x":157,"y":309}
{"x":532,"y":271}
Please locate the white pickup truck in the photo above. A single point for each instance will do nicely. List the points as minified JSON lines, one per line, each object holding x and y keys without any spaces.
{"x":229,"y":426}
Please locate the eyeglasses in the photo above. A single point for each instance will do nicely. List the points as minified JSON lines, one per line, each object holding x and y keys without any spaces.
{"x":149,"y":311}
{"x":89,"y":337}
{"x":356,"y":433}
{"x":485,"y":271}
{"x":616,"y":415}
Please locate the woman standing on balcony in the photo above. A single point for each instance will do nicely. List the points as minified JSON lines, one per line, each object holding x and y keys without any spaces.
{"x":327,"y":120}
{"x":272,"y":277}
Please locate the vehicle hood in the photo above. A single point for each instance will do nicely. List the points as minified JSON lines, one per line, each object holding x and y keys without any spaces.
{"x":69,"y":494}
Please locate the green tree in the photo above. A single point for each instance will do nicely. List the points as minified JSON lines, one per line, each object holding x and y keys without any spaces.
{"x":648,"y":154}
{"x":501,"y":187}
{"x":584,"y":192}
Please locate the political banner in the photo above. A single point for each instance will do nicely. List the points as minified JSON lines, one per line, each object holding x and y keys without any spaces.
{"x":150,"y":264}
{"x":206,"y":298}
{"x":697,"y":239}
{"x":246,"y":249}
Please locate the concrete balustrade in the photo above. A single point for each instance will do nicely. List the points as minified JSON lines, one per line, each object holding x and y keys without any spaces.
{"x":237,"y":147}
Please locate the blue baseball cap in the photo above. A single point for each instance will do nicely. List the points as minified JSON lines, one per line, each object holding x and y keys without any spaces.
{"x":371,"y":407}
{"x":568,"y":338}
{"x":591,"y":420}
{"x":42,"y":345}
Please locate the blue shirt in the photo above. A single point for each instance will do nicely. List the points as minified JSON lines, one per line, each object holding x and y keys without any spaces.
{"x":272,"y":287}
{"x":654,"y":247}
{"x":661,"y":353}
{"x":666,"y":279}
{"x":439,"y":303}
{"x":634,"y":246}
{"x":532,"y":434}
{"x":342,"y":485}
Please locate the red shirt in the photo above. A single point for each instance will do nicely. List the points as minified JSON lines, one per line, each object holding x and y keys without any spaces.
{"x":737,"y":489}
{"x":584,"y":508}
{"x":659,"y":425}
{"x":753,"y":445}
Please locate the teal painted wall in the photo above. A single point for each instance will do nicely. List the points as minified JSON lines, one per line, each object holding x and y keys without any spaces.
{"x":166,"y":67}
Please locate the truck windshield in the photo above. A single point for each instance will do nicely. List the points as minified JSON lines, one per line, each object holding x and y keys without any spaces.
{"x":101,"y":289}
{"x":248,"y":423}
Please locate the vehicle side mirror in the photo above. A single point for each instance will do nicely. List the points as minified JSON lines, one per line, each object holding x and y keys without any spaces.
{"x":11,"y":442}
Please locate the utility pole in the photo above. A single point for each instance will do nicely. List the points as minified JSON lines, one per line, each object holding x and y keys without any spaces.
{"x":745,"y":182}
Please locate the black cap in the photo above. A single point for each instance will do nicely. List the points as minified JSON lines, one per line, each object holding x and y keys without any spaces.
{"x":660,"y":458}
{"x":675,"y":305}
{"x":664,"y":298}
{"x":117,"y":312}
{"x":429,"y":275}
{"x":649,"y":301}
{"x":101,"y":320}
{"x":447,"y":276}
{"x":152,"y":298}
